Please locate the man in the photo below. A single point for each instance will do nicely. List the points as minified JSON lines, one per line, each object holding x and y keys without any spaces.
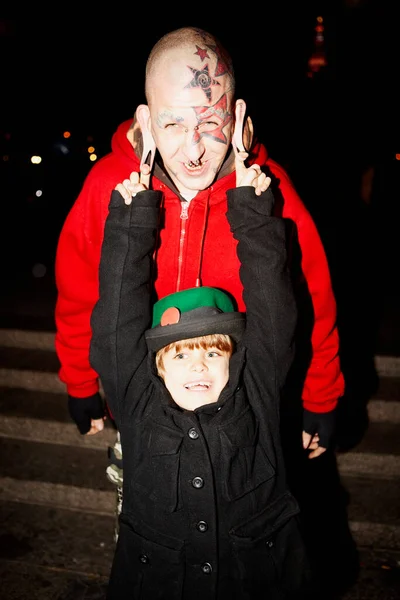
{"x":185,"y":132}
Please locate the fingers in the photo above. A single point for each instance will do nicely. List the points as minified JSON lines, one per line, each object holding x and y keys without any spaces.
{"x":137,"y":182}
{"x":123,"y":189}
{"x":97,"y":425}
{"x":311,"y":442}
{"x":315,"y":453}
{"x":306,"y":440}
{"x":255,"y":177}
{"x":145,"y":176}
{"x":249,"y":176}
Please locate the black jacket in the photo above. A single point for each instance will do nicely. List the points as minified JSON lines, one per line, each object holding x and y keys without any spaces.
{"x":207,"y":513}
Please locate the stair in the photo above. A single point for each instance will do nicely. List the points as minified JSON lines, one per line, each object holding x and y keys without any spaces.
{"x":57,"y":506}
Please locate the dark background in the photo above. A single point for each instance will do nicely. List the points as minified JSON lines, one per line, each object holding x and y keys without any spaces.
{"x":83,"y":71}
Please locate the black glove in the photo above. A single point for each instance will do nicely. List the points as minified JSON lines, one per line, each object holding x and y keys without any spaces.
{"x":322,"y":423}
{"x":82,"y":410}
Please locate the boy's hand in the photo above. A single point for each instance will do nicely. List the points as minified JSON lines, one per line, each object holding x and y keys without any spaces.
{"x":252,"y":175}
{"x":138,"y":182}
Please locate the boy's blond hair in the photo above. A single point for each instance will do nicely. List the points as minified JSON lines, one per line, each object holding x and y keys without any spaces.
{"x":217,"y":340}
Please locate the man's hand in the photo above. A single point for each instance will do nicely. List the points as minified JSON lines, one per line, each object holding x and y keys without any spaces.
{"x":137,"y":182}
{"x":96,"y":425}
{"x":318,"y":431}
{"x":311,"y":442}
{"x":88,"y":413}
{"x":252,"y":176}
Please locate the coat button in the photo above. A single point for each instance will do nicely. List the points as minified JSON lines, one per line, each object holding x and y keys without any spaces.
{"x":144,"y":559}
{"x":202,"y":526}
{"x":206,"y":568}
{"x":270,"y":543}
{"x":193,"y":434}
{"x":197,"y":482}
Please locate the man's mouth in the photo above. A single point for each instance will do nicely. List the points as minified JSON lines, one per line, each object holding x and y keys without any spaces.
{"x":193,"y":165}
{"x":197,"y":385}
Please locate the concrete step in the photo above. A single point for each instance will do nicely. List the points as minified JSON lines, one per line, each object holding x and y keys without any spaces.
{"x":68,"y":541}
{"x":44,"y":340}
{"x":47,"y":462}
{"x":73,"y":478}
{"x":48,"y":467}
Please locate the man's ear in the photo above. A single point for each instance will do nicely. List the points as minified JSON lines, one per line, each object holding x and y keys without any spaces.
{"x":248,"y":132}
{"x":238,"y":133}
{"x":149,"y":145}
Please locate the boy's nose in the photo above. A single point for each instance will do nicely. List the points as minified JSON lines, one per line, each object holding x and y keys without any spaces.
{"x":199,"y":365}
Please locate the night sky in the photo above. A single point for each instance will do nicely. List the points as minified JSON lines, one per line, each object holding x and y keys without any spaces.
{"x":89,"y":70}
{"x":85,"y":72}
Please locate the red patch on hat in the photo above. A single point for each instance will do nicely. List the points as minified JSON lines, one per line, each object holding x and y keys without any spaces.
{"x":171,"y":316}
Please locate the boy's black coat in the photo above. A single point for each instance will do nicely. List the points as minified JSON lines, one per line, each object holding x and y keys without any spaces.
{"x":206,"y":512}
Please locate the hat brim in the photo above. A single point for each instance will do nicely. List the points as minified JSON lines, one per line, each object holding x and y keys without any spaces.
{"x":231,"y":324}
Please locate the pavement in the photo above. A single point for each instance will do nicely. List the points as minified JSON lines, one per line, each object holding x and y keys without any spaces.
{"x":57,"y":507}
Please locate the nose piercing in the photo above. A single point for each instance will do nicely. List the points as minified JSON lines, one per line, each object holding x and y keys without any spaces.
{"x":195,"y":163}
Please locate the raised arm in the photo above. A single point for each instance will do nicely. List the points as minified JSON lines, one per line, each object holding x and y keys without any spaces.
{"x":268,"y":295}
{"x":123,"y":312}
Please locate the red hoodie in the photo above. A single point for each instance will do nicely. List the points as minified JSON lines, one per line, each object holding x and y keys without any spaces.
{"x":194,"y":245}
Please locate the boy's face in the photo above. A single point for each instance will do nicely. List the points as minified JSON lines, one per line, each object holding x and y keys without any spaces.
{"x":195,"y":377}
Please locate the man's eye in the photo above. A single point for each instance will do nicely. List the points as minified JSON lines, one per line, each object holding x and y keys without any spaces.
{"x":208,"y":126}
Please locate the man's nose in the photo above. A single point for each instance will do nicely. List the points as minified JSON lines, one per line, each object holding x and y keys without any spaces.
{"x":194,"y":147}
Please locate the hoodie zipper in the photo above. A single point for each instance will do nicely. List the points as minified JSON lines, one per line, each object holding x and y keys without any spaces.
{"x":184,"y":217}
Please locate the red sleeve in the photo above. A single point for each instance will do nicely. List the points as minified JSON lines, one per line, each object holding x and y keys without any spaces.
{"x":324,"y":383}
{"x":76,"y":270}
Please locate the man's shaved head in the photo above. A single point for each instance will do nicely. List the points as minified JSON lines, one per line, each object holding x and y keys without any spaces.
{"x":191,"y":58}
{"x":190,"y":113}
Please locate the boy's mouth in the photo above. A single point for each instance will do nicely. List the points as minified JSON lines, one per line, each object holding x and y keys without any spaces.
{"x":197,"y":385}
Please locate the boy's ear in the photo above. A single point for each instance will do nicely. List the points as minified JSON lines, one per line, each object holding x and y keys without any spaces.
{"x":149,"y":145}
{"x":238,"y":138}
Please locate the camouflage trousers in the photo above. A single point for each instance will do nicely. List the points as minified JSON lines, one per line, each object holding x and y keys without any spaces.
{"x":114,"y":474}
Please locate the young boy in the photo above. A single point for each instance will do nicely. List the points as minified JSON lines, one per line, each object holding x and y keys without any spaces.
{"x":195,"y":389}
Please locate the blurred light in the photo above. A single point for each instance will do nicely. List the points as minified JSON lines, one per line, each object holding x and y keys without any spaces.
{"x":90,"y":149}
{"x":62,"y":148}
{"x":6,"y":158}
{"x":66,"y":134}
{"x":93,"y":157}
{"x":397,"y":156}
{"x":36,"y":160}
{"x":38,"y":193}
{"x":39,"y":270}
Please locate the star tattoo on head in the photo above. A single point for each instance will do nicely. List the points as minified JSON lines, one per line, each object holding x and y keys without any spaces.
{"x":221,"y":67}
{"x":202,"y":53}
{"x":203,"y":80}
{"x":219,"y":112}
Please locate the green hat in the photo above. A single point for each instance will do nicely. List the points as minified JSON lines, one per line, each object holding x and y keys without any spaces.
{"x":193,"y":313}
